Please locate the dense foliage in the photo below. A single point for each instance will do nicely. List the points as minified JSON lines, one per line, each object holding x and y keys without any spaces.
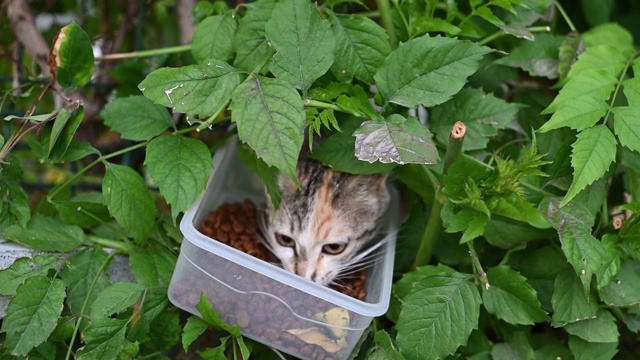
{"x":527,"y":232}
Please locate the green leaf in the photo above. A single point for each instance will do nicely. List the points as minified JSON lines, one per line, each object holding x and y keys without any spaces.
{"x":192,"y":330}
{"x":85,"y":277}
{"x":571,"y":47}
{"x":85,"y":210}
{"x":136,"y":118}
{"x":627,"y":127}
{"x":303,"y":41}
{"x":217,"y":353}
{"x":153,"y":266}
{"x":483,"y":115}
{"x":468,"y":221}
{"x":384,"y":349}
{"x":569,"y":301}
{"x":15,"y":198}
{"x":104,"y":339}
{"x":64,"y":127}
{"x":129,"y":201}
{"x":78,"y":150}
{"x":114,"y":298}
{"x":438,"y":315}
{"x":164,"y":331}
{"x":269,"y":175}
{"x":213,"y":38}
{"x":32,"y":314}
{"x":611,"y":261}
{"x":631,"y":86}
{"x":395,"y":140}
{"x":180,"y":167}
{"x":212,"y":318}
{"x":428,"y":70}
{"x":25,"y":268}
{"x":584,"y":350}
{"x":511,"y":298}
{"x":516,"y":347}
{"x":249,"y":41}
{"x":428,"y":24}
{"x":538,"y":57}
{"x":271,"y":119}
{"x":624,"y":291}
{"x":194,"y":89}
{"x":602,"y":329}
{"x":593,"y":152}
{"x":71,"y":58}
{"x":363,"y":47}
{"x":47,"y":234}
{"x":573,"y":223}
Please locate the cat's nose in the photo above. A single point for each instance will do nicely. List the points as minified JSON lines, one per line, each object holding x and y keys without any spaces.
{"x":306,"y":271}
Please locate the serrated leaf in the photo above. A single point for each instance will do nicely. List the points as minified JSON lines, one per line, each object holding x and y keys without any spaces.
{"x":212,"y":318}
{"x":631,"y":87}
{"x":32,"y":314}
{"x":426,"y":24}
{"x":611,"y":261}
{"x":602,"y":329}
{"x":47,"y":234}
{"x":152,"y":267}
{"x":573,"y":223}
{"x":268,"y":174}
{"x":85,"y":210}
{"x":78,"y":150}
{"x":165,"y":331}
{"x":517,"y":346}
{"x":271,"y":119}
{"x":85,"y":278}
{"x":180,"y":167}
{"x":511,"y":298}
{"x":129,"y":201}
{"x":427,"y":70}
{"x":538,"y":57}
{"x":114,"y":298}
{"x":483,"y":114}
{"x":71,"y":57}
{"x":64,"y":127}
{"x":192,"y":330}
{"x":104,"y":338}
{"x":136,"y":118}
{"x":468,"y":221}
{"x":249,"y":41}
{"x":571,"y":47}
{"x":303,"y":41}
{"x":395,"y":140}
{"x":213,"y":38}
{"x":593,"y":152}
{"x":627,"y":127}
{"x":584,"y":350}
{"x":363,"y":47}
{"x":569,"y":302}
{"x":201,"y":90}
{"x":438,"y":316}
{"x":338,"y":151}
{"x":24,"y":268}
{"x":384,"y":349}
{"x":15,"y":199}
{"x":624,"y":290}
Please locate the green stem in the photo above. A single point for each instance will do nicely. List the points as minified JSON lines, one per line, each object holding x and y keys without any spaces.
{"x":477,"y":266}
{"x":387,"y":21}
{"x":430,"y":235}
{"x":86,"y":303}
{"x":564,"y":15}
{"x":404,"y":19}
{"x":454,"y":146}
{"x":146,"y":53}
{"x":324,"y":105}
{"x":124,"y":247}
{"x":500,"y":33}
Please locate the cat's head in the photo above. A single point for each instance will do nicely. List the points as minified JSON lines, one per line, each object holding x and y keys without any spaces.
{"x":321,"y":228}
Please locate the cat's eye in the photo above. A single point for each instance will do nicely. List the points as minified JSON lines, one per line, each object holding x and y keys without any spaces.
{"x":334,"y":249}
{"x":285,"y":240}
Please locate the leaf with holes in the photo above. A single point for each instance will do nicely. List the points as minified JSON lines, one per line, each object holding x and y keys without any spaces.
{"x":194,"y":89}
{"x":213,"y":38}
{"x":129,"y":201}
{"x":136,"y":118}
{"x":592,"y":154}
{"x":395,"y":140}
{"x":180,"y":167}
{"x":270,"y":117}
{"x":303,"y":41}
{"x":363,"y":47}
{"x":438,"y":315}
{"x":428,"y":70}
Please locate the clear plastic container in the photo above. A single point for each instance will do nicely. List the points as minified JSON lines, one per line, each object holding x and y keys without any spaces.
{"x":270,"y":304}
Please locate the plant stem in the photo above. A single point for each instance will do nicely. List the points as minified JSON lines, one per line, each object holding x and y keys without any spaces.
{"x":500,"y":33}
{"x":86,"y":303}
{"x":121,"y":246}
{"x":618,"y":85}
{"x":404,"y":19}
{"x":387,"y":21}
{"x":324,"y":105}
{"x":434,"y":226}
{"x":146,"y":53}
{"x":477,"y":266}
{"x":564,"y":15}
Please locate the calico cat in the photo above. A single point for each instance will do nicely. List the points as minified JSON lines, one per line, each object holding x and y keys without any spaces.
{"x":328,"y":225}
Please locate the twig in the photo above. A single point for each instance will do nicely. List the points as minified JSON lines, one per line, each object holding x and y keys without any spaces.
{"x":145,"y":53}
{"x":24,"y":27}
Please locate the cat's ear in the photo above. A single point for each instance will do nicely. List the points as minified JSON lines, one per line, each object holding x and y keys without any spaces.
{"x":286,"y":184}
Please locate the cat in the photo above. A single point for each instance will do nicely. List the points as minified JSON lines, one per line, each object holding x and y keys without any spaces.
{"x":328,"y":225}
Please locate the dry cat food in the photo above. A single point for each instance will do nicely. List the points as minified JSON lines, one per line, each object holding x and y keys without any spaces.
{"x":276,"y":314}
